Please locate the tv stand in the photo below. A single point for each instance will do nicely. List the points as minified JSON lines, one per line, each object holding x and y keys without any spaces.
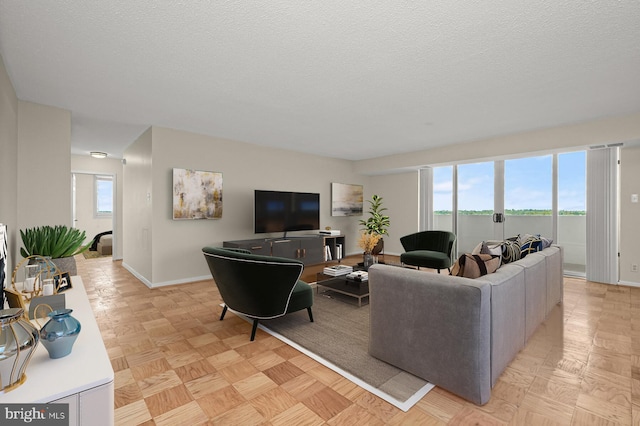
{"x":310,"y":249}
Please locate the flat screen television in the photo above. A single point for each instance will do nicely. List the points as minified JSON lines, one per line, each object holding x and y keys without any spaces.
{"x":284,"y":211}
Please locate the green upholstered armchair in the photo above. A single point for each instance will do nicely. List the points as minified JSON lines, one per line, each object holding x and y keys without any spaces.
{"x":259,"y":287}
{"x":428,"y":249}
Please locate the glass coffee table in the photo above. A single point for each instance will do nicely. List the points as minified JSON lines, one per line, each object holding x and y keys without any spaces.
{"x":343,"y":285}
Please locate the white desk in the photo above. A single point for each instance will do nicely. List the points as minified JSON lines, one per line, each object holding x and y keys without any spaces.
{"x":83,"y":379}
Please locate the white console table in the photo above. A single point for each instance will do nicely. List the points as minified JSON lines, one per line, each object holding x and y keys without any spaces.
{"x":83,"y":379}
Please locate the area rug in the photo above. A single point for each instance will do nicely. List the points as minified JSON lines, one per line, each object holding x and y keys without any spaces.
{"x":88,"y":254}
{"x":338,"y":338}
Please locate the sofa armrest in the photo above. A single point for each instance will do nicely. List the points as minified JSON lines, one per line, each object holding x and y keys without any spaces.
{"x":434,"y":326}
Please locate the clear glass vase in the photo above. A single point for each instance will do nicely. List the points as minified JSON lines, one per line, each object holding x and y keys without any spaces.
{"x":18,"y":341}
{"x":367,"y":261}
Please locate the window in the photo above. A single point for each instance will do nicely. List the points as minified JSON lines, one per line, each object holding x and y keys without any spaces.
{"x":539,"y":195}
{"x":103,"y":196}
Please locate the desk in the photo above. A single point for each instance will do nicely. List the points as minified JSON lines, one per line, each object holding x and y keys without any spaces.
{"x":83,"y":379}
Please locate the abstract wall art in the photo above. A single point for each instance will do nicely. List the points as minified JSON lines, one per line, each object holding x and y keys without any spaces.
{"x":346,"y":199}
{"x":197,"y":194}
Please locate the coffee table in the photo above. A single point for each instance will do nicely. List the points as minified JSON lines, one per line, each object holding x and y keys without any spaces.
{"x":343,"y":285}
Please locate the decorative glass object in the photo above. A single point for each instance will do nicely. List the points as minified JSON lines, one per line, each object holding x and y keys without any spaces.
{"x":60,"y":333}
{"x":31,"y":277}
{"x":41,"y":266}
{"x":18,"y":341}
{"x":368,"y":261}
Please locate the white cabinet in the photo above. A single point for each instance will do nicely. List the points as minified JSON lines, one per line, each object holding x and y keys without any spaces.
{"x":83,"y":379}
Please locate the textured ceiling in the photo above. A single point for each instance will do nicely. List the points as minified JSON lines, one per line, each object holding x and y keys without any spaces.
{"x":354,"y":80}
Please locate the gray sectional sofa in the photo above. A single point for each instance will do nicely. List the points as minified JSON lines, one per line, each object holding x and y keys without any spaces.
{"x":461,"y":333}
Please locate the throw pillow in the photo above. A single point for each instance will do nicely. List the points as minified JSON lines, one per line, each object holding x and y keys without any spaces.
{"x":475,"y":265}
{"x":510,"y":251}
{"x":530,"y":244}
{"x":546,"y":242}
{"x":487,"y":247}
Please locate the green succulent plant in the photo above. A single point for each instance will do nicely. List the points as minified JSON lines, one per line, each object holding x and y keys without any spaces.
{"x":54,"y":241}
{"x":377,"y":222}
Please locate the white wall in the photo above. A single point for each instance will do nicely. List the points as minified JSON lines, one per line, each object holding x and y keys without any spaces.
{"x":597,"y":132}
{"x":176,"y":244}
{"x":9,"y":165}
{"x":137,"y":208}
{"x":629,"y":215}
{"x":88,"y":164}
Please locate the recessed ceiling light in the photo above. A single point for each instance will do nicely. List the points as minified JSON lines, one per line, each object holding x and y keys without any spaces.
{"x":98,"y":154}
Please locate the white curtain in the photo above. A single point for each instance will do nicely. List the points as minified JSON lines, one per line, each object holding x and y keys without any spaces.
{"x":602,"y":215}
{"x":426,"y":199}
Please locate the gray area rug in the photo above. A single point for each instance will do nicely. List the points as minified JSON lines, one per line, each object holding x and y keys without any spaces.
{"x":339,"y":338}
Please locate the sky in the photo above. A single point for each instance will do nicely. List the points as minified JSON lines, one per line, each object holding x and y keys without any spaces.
{"x":105,"y":195}
{"x":528,"y":184}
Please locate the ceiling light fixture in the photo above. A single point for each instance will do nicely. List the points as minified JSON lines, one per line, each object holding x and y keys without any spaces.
{"x":98,"y":154}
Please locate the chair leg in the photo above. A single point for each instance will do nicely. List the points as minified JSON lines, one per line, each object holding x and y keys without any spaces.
{"x":224,"y":311}
{"x":310,"y":314}
{"x":438,"y":270}
{"x":449,"y":269}
{"x":253,"y":329}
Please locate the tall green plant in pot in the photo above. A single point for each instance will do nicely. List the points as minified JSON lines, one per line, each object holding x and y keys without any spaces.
{"x":60,"y":243}
{"x":377,"y":222}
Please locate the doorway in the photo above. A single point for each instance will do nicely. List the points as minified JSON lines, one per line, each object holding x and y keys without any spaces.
{"x":93,"y":210}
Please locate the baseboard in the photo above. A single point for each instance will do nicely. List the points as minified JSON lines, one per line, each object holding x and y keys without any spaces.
{"x":165,"y":283}
{"x":137,"y":275}
{"x":629,"y":283}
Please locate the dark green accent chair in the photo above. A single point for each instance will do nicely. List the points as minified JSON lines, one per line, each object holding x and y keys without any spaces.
{"x":259,"y":287}
{"x":428,"y":249}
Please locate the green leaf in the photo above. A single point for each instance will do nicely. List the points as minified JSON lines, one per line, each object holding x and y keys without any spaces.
{"x":56,"y":242}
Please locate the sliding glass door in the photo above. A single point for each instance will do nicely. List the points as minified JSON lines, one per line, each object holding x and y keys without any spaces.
{"x":543,"y":195}
{"x":572,"y":211}
{"x":528,"y":196}
{"x":475,"y":205}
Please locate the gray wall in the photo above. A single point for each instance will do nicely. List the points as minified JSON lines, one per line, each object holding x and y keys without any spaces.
{"x":9,"y":163}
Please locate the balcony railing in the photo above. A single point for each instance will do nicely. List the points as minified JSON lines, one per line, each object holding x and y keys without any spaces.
{"x":473,"y":229}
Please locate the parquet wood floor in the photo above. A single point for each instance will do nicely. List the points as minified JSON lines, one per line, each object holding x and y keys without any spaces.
{"x":176,"y":364}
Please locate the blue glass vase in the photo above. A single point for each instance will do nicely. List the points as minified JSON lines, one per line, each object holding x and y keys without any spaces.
{"x":60,"y":333}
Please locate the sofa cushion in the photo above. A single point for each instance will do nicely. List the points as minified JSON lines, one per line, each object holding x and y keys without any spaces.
{"x":475,"y":265}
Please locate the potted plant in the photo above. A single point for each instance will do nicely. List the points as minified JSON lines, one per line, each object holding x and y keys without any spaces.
{"x":60,"y":243}
{"x":377,"y":223}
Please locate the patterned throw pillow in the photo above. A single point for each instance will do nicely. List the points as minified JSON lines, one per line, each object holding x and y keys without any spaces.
{"x":530,"y":244}
{"x":475,"y":265}
{"x":510,"y":251}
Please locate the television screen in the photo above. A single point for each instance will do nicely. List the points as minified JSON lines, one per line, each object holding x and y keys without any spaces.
{"x":283,"y":211}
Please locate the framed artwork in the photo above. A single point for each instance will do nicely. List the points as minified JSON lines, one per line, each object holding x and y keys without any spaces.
{"x":346,"y":199}
{"x":62,"y":282}
{"x":14,"y":299}
{"x":197,"y":194}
